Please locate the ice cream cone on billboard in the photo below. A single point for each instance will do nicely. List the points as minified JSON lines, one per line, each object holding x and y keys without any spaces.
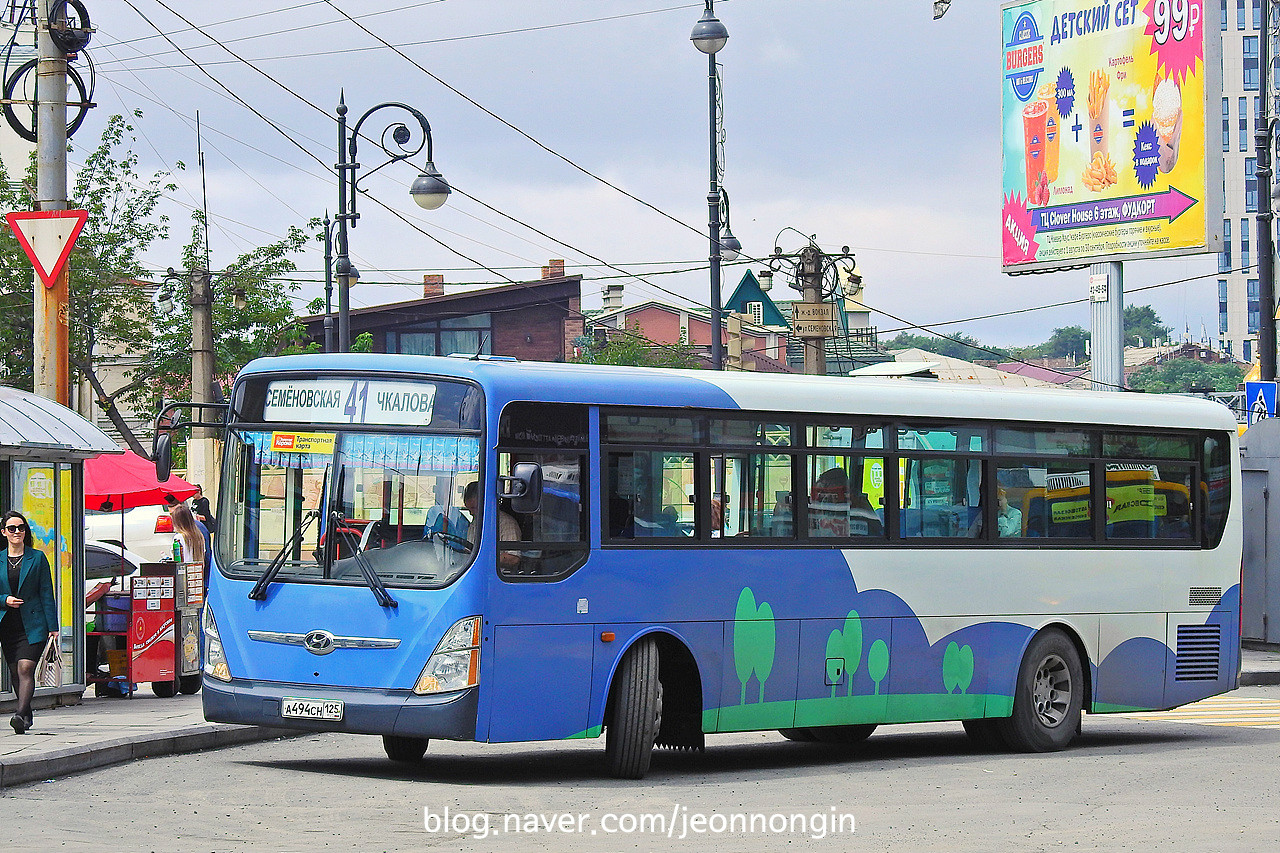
{"x":1166,"y":115}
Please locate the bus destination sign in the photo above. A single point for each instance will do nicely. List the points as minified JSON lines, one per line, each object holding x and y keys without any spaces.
{"x":349,"y":401}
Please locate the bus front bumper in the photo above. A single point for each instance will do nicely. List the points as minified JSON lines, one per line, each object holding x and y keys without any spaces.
{"x":450,"y":716}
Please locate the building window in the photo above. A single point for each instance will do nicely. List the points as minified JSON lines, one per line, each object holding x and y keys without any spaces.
{"x":1226,"y":124}
{"x":1250,"y":185}
{"x":1239,"y":14}
{"x":1250,"y":63}
{"x":1248,"y":351}
{"x":1254,"y":307}
{"x":471,"y":334}
{"x":1224,"y":257}
{"x":1257,"y":14}
{"x":1224,"y":15}
{"x":1244,"y":124}
{"x":1222,"y":306}
{"x":1244,"y":244}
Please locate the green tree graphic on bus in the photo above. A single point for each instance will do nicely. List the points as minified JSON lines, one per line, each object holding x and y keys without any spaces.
{"x":878,"y":662}
{"x":847,"y":644}
{"x":754,"y":641}
{"x":957,"y":668}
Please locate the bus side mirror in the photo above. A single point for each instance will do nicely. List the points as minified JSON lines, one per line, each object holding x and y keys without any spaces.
{"x":164,"y":458}
{"x":523,"y":488}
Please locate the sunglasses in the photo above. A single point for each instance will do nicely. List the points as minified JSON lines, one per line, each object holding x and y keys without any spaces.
{"x":16,"y":528}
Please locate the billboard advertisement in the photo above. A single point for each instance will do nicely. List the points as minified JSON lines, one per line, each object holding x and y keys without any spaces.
{"x":1106,"y":153}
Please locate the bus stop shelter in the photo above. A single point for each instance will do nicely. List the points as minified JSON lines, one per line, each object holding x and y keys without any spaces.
{"x":43,"y":447}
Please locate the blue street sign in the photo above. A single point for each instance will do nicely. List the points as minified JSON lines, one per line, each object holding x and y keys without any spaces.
{"x":1260,"y":398}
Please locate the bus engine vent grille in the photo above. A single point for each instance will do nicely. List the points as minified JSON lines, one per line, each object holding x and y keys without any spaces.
{"x":1199,"y":652}
{"x":1204,"y":596}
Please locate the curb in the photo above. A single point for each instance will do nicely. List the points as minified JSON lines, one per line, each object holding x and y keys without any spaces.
{"x":1260,"y":679}
{"x":67,"y":762}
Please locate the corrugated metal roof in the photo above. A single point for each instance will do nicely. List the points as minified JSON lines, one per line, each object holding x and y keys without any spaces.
{"x":31,"y":425}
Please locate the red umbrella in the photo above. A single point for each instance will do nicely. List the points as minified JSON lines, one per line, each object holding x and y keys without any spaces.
{"x":125,"y":480}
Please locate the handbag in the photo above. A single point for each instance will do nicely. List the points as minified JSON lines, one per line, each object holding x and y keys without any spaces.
{"x":49,"y":667}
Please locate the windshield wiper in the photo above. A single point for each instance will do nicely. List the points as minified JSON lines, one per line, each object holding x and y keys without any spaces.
{"x":259,"y":591}
{"x":371,"y":578}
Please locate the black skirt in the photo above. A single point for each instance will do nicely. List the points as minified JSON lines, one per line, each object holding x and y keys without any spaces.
{"x":13,"y":637}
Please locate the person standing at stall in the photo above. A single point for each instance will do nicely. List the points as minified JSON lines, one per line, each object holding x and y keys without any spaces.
{"x":191,"y":534}
{"x":30,"y":615}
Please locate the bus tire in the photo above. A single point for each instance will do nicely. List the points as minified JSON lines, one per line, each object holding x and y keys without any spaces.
{"x":164,"y":689}
{"x":190,"y":684}
{"x":985,"y":735}
{"x":798,"y":735}
{"x":405,"y":750}
{"x":637,"y":712}
{"x":843,"y":734}
{"x":1048,"y":697}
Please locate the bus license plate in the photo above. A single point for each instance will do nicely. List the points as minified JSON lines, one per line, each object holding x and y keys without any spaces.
{"x":311,"y":709}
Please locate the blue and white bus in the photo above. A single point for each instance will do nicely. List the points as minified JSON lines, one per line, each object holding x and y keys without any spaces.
{"x":475,"y":549}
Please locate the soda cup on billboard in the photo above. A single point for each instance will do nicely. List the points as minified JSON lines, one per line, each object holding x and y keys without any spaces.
{"x":1052,"y":132}
{"x":1034,"y":127}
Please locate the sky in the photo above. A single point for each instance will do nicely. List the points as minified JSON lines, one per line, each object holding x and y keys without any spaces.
{"x":859,"y":122}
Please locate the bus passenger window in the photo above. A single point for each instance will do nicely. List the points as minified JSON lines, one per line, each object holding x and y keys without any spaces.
{"x":648,"y":495}
{"x":846,"y":496}
{"x":1053,"y":498}
{"x":941,"y":498}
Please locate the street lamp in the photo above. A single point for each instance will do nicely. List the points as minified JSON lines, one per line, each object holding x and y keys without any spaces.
{"x":709,"y":35}
{"x":429,"y":190}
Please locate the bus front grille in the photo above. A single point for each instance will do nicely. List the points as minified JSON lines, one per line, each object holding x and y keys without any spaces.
{"x":1199,"y":652}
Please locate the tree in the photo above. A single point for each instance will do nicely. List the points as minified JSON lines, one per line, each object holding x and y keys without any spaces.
{"x":267,"y":325}
{"x":634,"y":349}
{"x":1142,"y":326}
{"x":962,"y":347}
{"x":1066,"y":342}
{"x":1181,"y":375}
{"x":109,"y":311}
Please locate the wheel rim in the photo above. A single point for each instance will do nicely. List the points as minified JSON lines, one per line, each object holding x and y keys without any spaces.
{"x":1051,"y":690}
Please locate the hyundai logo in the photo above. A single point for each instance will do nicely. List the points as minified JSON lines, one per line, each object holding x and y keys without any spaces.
{"x":318,"y":642}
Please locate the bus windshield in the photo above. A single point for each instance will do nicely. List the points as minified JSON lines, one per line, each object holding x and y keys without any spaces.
{"x":312,"y":500}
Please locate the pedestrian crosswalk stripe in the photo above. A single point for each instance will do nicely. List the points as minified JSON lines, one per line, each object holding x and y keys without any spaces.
{"x":1219,"y":711}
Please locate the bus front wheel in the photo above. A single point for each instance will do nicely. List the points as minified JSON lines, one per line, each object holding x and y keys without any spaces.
{"x":1048,"y":697}
{"x":405,"y":750}
{"x":636,"y":714}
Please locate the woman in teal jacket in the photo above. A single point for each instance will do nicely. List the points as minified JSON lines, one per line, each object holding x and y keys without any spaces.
{"x":30,"y":616}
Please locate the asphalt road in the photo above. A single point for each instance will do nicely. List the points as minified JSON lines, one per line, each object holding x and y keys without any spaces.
{"x":1127,"y":784}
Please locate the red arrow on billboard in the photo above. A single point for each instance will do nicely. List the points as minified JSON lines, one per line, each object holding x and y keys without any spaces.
{"x":47,"y":237}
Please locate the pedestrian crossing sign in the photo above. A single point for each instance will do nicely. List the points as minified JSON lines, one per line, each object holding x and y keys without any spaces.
{"x":1260,"y":399}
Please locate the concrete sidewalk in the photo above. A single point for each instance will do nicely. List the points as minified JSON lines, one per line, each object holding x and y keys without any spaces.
{"x":101,"y":732}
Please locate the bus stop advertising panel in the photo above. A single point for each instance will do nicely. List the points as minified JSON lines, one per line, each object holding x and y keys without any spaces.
{"x":1105,"y":154}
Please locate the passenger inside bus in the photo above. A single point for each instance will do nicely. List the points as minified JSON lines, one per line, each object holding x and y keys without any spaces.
{"x":1008,"y":518}
{"x":508,"y":527}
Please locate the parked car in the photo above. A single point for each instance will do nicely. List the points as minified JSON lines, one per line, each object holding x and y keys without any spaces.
{"x":145,"y":530}
{"x":106,"y":565}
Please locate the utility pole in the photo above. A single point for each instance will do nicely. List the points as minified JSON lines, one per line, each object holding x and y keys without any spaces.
{"x":810,"y":275}
{"x":52,"y":333}
{"x":733,"y":353}
{"x":201,"y":449}
{"x":1266,"y":248}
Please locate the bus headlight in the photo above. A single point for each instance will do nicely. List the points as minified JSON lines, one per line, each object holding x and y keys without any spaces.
{"x":455,"y":664}
{"x":215,"y":660}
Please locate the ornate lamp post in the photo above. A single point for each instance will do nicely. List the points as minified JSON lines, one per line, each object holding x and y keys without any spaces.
{"x":429,"y":190}
{"x":709,"y":35}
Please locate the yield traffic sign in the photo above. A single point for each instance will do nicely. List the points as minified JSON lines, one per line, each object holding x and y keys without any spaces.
{"x":47,"y":237}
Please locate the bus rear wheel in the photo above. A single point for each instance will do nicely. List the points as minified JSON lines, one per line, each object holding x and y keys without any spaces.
{"x":405,"y":750}
{"x":843,"y":734}
{"x":985,"y":734}
{"x":798,"y":735}
{"x":1048,"y":697}
{"x":636,"y":712}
